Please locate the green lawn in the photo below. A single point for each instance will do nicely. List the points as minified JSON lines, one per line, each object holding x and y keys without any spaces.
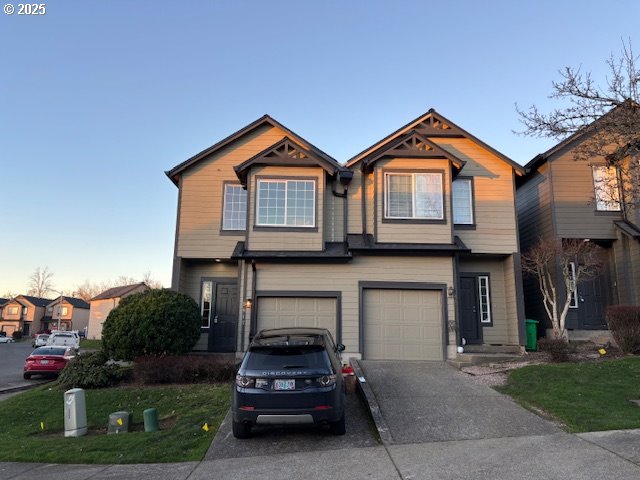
{"x":586,"y":397}
{"x":183,"y":410}
{"x":85,"y":343}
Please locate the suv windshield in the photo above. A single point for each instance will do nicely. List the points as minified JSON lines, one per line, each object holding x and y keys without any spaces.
{"x":287,"y":357}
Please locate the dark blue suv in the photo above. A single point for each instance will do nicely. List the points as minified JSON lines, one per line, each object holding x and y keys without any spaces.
{"x":290,"y":376}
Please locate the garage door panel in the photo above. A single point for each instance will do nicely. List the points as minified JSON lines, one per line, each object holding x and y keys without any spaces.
{"x":283,"y":312}
{"x":403,"y":324}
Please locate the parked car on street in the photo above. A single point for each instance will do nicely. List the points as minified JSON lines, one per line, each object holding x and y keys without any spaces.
{"x":40,"y":340}
{"x":290,"y":376}
{"x":47,"y":360}
{"x":66,"y":339}
{"x":6,"y":339}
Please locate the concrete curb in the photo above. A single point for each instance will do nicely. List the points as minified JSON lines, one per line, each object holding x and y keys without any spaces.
{"x":372,"y":403}
{"x":20,"y":388}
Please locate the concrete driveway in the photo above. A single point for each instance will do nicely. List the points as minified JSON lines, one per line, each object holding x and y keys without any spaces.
{"x":433,"y":402}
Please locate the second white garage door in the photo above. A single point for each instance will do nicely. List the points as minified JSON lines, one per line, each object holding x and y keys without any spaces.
{"x":403,"y":324}
{"x":280,"y":312}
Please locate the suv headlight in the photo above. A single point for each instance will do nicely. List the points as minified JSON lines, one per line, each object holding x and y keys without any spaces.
{"x":327,"y":380}
{"x":245,"y":382}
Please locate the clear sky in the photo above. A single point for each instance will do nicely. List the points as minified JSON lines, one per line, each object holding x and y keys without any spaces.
{"x":99,"y":98}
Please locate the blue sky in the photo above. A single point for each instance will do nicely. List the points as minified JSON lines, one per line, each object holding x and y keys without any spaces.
{"x":99,"y":98}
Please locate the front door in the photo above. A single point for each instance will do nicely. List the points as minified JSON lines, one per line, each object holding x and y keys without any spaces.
{"x":468,"y":305}
{"x":591,"y":304}
{"x":224,"y":318}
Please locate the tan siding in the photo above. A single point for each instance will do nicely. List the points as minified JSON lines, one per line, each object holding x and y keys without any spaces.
{"x":413,"y":232}
{"x":299,"y":239}
{"x":80,"y":319}
{"x":98,"y":315}
{"x":503,"y":313}
{"x":345,"y":278}
{"x":494,"y":201}
{"x":8,"y":316}
{"x":573,"y":193}
{"x":202,"y":190}
{"x":511,"y":300}
{"x":355,"y":203}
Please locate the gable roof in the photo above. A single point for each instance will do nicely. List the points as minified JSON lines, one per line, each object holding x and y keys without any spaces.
{"x":539,"y":159}
{"x":116,"y":292}
{"x":3,"y":301}
{"x":36,"y":301}
{"x":286,"y":152}
{"x":174,"y":173}
{"x":433,"y":124}
{"x":413,"y":145}
{"x":75,"y":302}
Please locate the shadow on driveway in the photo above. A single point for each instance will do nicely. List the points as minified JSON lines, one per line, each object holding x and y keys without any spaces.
{"x":292,"y":439}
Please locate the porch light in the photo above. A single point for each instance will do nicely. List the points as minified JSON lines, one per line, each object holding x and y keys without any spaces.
{"x":248,"y":303}
{"x":451,"y":291}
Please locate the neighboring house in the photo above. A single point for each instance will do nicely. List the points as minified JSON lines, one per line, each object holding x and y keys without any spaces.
{"x":102,"y":304}
{"x":70,"y":314}
{"x":24,"y":314}
{"x":2,"y":303}
{"x":561,"y":198}
{"x":404,"y":252}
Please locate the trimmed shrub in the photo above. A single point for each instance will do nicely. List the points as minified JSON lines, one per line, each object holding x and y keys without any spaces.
{"x":151,"y":370}
{"x":90,"y":370}
{"x":624,"y":325}
{"x":557,"y":348}
{"x":156,"y":322}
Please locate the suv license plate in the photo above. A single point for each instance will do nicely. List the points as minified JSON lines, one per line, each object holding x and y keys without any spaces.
{"x":284,"y":385}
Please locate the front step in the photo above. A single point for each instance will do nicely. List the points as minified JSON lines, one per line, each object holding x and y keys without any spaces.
{"x":515,"y":349}
{"x":469,"y":359}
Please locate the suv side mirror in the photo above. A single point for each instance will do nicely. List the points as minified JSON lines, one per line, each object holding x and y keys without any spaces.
{"x":340,"y":348}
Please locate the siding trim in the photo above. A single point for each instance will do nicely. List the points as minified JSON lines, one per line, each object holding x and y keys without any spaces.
{"x":363,"y":285}
{"x":301,"y":294}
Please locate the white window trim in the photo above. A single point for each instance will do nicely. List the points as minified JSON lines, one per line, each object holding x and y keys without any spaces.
{"x":609,"y":206}
{"x":453,"y":207}
{"x":387,"y":175}
{"x":286,"y":200}
{"x":208,"y":325}
{"x":480,"y":279}
{"x":224,"y":208}
{"x":574,"y":299}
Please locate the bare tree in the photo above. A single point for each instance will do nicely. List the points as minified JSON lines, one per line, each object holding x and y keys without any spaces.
{"x":151,"y":283}
{"x":605,"y":117}
{"x":40,"y":282}
{"x":576,"y":261}
{"x":9,"y":294}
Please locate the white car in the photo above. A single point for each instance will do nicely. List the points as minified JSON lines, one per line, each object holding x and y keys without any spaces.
{"x":40,"y":340}
{"x":64,"y":339}
{"x":6,"y":340}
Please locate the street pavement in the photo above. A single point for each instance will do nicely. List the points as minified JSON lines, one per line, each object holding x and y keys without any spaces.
{"x":12,"y":357}
{"x":429,"y":440}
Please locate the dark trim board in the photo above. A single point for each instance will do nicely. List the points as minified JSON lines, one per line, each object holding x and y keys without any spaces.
{"x":299,"y":294}
{"x":517,"y":267}
{"x":442,"y":287}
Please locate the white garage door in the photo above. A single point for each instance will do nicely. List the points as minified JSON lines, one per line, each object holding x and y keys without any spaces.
{"x":280,"y":312}
{"x":403,"y":324}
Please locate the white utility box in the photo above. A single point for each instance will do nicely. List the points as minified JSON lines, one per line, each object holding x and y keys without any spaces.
{"x":75,"y":413}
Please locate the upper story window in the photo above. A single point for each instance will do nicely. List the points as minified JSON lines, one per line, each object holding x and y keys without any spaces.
{"x":414,"y":196}
{"x":235,"y":208}
{"x":607,"y":190}
{"x":286,"y":203}
{"x":13,"y":310}
{"x":462,"y":189}
{"x":65,"y":311}
{"x":24,"y":311}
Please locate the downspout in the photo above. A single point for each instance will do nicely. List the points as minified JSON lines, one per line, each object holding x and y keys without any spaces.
{"x":364,"y":201}
{"x":244,"y":307}
{"x":253,"y":294}
{"x":345,"y":213}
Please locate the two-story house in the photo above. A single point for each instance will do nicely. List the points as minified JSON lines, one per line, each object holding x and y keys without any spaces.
{"x":23,"y":314}
{"x":406,"y":251}
{"x":564,"y":198}
{"x":66,"y":313}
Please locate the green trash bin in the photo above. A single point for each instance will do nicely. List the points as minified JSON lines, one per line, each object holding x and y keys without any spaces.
{"x":532,"y":334}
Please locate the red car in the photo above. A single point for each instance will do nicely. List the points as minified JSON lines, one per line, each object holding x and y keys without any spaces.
{"x":47,"y":360}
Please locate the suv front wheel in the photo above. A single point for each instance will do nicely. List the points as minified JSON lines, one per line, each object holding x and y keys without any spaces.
{"x":241,"y":430}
